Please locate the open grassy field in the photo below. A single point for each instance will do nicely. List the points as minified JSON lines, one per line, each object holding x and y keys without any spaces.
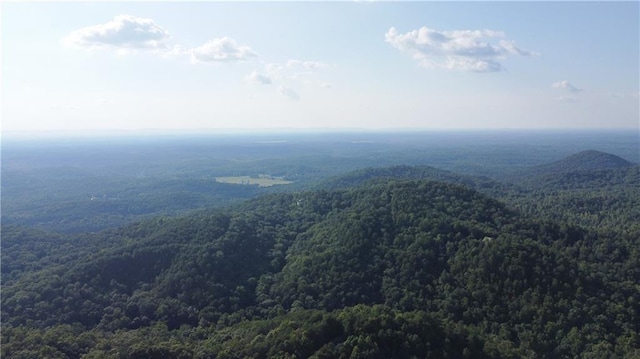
{"x":265,"y":181}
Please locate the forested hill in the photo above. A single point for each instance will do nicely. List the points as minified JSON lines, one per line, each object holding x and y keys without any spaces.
{"x":585,"y":161}
{"x":398,"y":269}
{"x":359,"y":177}
{"x":601,"y":200}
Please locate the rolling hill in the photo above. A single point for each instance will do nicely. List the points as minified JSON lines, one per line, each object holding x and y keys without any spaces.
{"x":589,"y":160}
{"x":585,"y":161}
{"x":390,"y":268}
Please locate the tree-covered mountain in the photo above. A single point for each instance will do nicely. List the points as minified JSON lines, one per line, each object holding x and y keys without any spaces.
{"x":391,"y":268}
{"x":600,"y":200}
{"x":588,"y":160}
{"x":584,"y":161}
{"x":403,"y":172}
{"x":604,"y":199}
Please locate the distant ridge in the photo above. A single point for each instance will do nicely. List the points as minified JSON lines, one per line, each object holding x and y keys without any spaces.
{"x":589,"y":160}
{"x":585,"y":161}
{"x":403,"y":172}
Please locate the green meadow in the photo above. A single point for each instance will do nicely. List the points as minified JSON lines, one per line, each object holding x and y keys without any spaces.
{"x":266,"y":181}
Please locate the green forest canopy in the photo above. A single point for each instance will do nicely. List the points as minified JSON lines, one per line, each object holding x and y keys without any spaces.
{"x":384,"y":268}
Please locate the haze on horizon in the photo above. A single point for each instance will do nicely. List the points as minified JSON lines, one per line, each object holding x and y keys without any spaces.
{"x":257,"y":66}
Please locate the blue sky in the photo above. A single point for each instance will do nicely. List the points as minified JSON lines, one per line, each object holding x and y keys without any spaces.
{"x":86,"y":67}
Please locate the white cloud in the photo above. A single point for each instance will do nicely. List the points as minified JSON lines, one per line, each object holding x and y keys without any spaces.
{"x":294,"y":73}
{"x":223,"y":49}
{"x":464,"y":50}
{"x":288,"y":93}
{"x":124,"y":32}
{"x":257,"y":77}
{"x":564,"y":84}
{"x":304,"y":72}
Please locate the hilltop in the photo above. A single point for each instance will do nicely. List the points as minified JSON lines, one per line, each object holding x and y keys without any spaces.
{"x":584,"y":161}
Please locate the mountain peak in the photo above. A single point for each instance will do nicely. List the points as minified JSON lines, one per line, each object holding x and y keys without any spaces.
{"x":589,"y":160}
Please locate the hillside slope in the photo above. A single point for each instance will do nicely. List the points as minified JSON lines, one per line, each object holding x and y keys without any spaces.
{"x":359,"y":177}
{"x":395,"y":269}
{"x":600,"y":200}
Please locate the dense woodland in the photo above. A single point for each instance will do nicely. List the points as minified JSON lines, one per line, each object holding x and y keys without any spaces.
{"x":383,"y":262}
{"x":87,"y":185}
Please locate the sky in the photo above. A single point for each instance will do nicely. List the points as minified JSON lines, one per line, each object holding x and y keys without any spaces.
{"x":96,"y":66}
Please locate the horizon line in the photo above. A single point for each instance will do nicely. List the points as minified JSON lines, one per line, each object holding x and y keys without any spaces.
{"x":241,"y":130}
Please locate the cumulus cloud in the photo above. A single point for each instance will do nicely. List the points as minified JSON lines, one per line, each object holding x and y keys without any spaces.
{"x":564,"y":84}
{"x":464,"y":50}
{"x":124,"y":32}
{"x":304,"y":72}
{"x":288,"y":93}
{"x":257,"y":77}
{"x":224,"y":49}
{"x":290,"y":75}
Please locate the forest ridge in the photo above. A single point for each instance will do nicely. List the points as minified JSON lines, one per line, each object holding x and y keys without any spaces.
{"x":389,"y":262}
